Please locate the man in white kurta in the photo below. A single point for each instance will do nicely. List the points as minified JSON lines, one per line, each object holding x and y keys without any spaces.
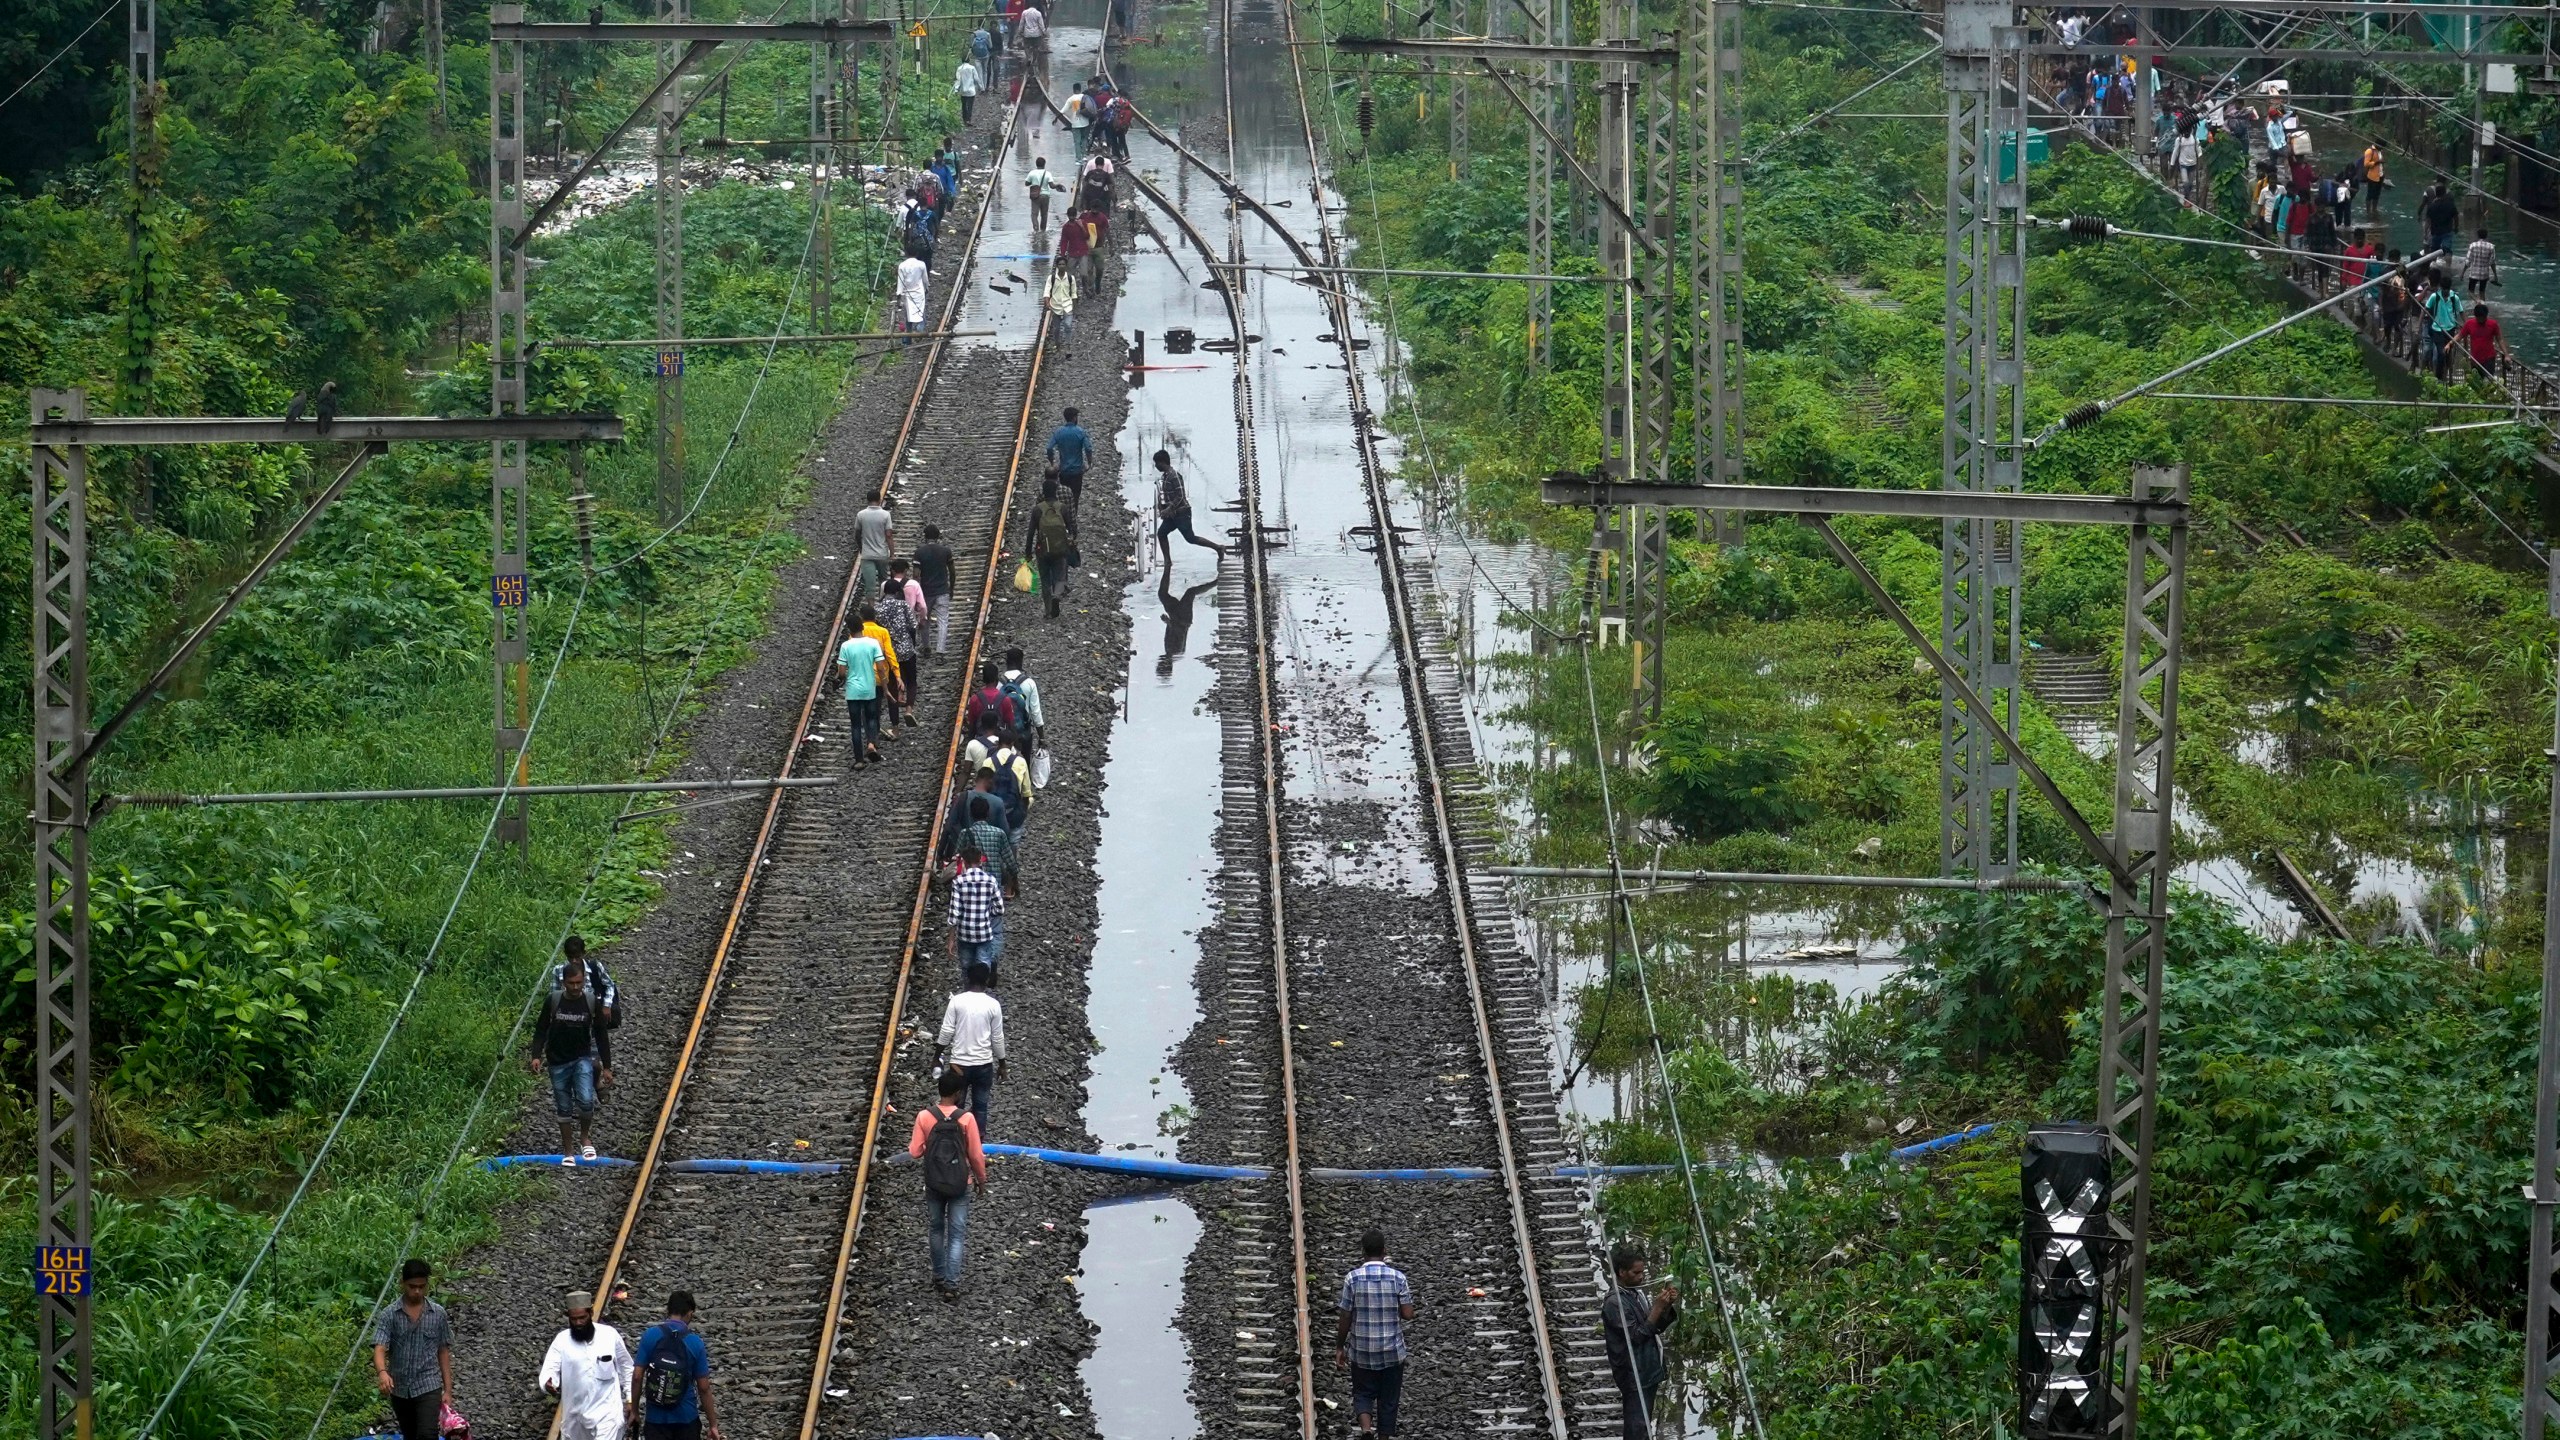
{"x":589,"y":1370}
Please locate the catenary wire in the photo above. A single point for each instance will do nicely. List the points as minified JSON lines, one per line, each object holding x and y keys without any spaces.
{"x":1741,"y":1362}
{"x":498,"y":1063}
{"x":426,"y":967}
{"x":112,"y":7}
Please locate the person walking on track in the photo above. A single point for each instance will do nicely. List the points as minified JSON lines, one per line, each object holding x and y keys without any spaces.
{"x":1075,"y":242}
{"x":1062,"y":290}
{"x":997,"y":747}
{"x":1376,"y":1302}
{"x":977,"y":910}
{"x":1033,"y":27}
{"x":1023,"y":685}
{"x":912,"y":273}
{"x":1173,"y":511}
{"x":965,"y":83}
{"x":933,"y":576}
{"x":875,"y":531}
{"x":983,"y":816}
{"x":413,"y":1355}
{"x":589,"y":1371}
{"x":865,"y":667}
{"x":1634,"y":1322}
{"x":1070,"y":452}
{"x":971,"y":1039}
{"x":574,"y":1040}
{"x":946,"y":1139}
{"x":898,"y":617}
{"x":675,"y":1377}
{"x":893,"y":687}
{"x":1051,"y":542}
{"x":1040,"y":185}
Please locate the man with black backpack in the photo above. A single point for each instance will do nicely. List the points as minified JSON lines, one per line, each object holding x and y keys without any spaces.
{"x":574,"y":1040}
{"x":1050,"y":539}
{"x":946,"y":1139}
{"x":1026,"y":693}
{"x":1013,"y":776}
{"x":573,"y":951}
{"x":675,"y":1377}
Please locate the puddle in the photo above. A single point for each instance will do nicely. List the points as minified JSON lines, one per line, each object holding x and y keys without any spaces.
{"x":1138,"y":1378}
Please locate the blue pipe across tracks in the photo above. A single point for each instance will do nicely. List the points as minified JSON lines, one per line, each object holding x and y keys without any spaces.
{"x":503,"y":1162}
{"x":1134,"y":1164}
{"x":1146,"y":1165}
{"x":1943,"y":1142}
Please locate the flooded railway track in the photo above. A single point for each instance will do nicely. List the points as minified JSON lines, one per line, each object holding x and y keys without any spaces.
{"x":1517,"y":1376}
{"x":793,"y":1035}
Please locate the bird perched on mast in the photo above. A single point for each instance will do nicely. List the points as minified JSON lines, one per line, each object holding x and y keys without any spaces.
{"x":295,"y":407}
{"x":326,"y":411}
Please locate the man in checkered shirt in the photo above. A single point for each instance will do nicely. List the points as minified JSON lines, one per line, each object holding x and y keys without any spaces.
{"x":1376,"y":1303}
{"x":976,"y":900}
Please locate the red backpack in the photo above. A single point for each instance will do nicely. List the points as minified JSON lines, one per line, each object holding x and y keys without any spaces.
{"x":991,"y":700}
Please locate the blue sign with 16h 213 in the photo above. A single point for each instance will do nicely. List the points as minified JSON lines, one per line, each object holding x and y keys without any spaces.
{"x":62,"y":1270}
{"x":507,"y":591}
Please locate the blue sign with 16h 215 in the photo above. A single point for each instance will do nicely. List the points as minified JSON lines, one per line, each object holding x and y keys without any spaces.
{"x":62,"y":1270}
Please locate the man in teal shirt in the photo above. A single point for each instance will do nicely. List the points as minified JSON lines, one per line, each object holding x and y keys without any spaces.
{"x":861,"y":659}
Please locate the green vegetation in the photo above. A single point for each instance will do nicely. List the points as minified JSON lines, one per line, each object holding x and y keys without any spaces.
{"x":2336,"y":1234}
{"x":315,"y":220}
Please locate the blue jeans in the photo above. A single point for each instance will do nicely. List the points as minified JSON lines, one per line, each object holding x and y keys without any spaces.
{"x":982,"y":1092}
{"x":864,"y":717}
{"x":573,"y":1087}
{"x":946,"y":1227}
{"x":966,"y":951}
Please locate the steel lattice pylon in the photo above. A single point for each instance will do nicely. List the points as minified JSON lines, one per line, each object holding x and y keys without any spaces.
{"x":2542,"y":1300}
{"x":61,"y":819}
{"x":1455,"y":22}
{"x":2138,"y":915}
{"x":1985,"y":404}
{"x":1545,"y":93}
{"x":508,"y":542}
{"x":1711,"y":54}
{"x":668,"y":205}
{"x":826,"y":70}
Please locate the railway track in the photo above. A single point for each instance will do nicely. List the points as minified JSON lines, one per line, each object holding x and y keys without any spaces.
{"x":799,"y":1018}
{"x":1547,"y":1240}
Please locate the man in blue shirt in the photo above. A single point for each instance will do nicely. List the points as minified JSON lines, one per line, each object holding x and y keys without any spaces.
{"x":673,"y":1361}
{"x":1069,"y":452}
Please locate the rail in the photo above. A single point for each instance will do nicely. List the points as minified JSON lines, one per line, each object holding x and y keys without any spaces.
{"x":652,"y":1161}
{"x":1327,"y":265}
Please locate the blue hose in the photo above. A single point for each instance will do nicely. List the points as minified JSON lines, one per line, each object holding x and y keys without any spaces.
{"x":1943,"y":1142}
{"x":1134,"y":1164}
{"x":758,"y":1167}
{"x":502,"y":1162}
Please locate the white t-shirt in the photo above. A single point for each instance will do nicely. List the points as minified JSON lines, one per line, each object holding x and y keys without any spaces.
{"x":911,"y":273}
{"x":972,"y":1028}
{"x":594,"y":1380}
{"x":1035,"y":26}
{"x":965,"y":81}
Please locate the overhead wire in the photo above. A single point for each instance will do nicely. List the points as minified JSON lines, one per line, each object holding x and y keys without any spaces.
{"x":427,"y":966}
{"x":364,"y":1080}
{"x":112,"y":7}
{"x":1706,"y":1240}
{"x":498,"y":1063}
{"x":1623,"y":902}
